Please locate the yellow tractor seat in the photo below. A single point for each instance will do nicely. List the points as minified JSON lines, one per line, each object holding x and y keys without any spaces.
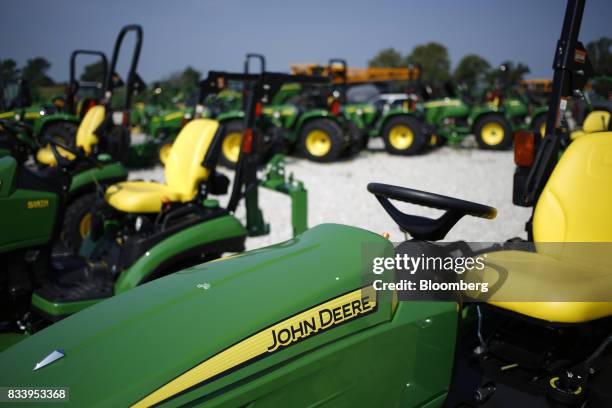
{"x":183,"y":172}
{"x":527,"y":276}
{"x":574,"y":209}
{"x":85,"y":137}
{"x":596,"y":121}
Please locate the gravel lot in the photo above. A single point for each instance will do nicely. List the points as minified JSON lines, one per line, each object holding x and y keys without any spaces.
{"x":337,"y":191}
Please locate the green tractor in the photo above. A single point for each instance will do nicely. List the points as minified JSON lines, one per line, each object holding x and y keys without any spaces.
{"x":88,"y":176}
{"x":160,"y":126}
{"x":141,"y":230}
{"x":60,"y":119}
{"x":492,"y":121}
{"x":310,"y":125}
{"x":300,"y":324}
{"x":401,"y":127}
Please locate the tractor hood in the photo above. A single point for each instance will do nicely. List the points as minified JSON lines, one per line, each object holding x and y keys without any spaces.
{"x":208,"y":327}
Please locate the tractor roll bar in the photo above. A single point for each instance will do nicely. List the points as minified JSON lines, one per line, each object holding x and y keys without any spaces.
{"x":569,"y":55}
{"x":260,"y":57}
{"x":132,"y":77}
{"x":73,"y":83}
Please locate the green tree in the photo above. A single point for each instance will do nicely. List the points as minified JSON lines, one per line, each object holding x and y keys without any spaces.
{"x":433,"y":60}
{"x":507,"y":74}
{"x":188,"y":82}
{"x":389,"y":57}
{"x":93,"y":72}
{"x":600,"y":54}
{"x":601,"y":57}
{"x":35,"y":71}
{"x":471,"y":70}
{"x":8,"y":70}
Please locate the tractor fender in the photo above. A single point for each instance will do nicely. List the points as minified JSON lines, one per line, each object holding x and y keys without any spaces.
{"x":310,"y":115}
{"x":217,"y":235}
{"x":478,"y":111}
{"x":230,"y":115}
{"x":541,"y":110}
{"x":87,"y":180}
{"x":43,"y":121}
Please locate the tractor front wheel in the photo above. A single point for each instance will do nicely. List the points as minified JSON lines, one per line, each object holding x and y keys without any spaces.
{"x":77,"y":221}
{"x":321,"y":141}
{"x":493,"y":133}
{"x":403,"y":135}
{"x":232,"y":141}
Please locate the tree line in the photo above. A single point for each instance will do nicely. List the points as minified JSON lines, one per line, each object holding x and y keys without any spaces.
{"x":472,"y":69}
{"x":432,"y":57}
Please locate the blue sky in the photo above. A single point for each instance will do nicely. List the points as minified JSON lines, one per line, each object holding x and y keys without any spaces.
{"x":215,"y":34}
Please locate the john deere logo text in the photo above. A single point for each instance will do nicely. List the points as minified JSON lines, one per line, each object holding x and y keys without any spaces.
{"x":324,"y":316}
{"x":38,"y":204}
{"x":320,"y":318}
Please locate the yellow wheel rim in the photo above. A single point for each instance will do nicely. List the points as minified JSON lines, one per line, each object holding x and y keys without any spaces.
{"x":401,"y":137}
{"x":318,"y":143}
{"x":85,"y":225}
{"x":231,"y":146}
{"x":492,"y":133}
{"x":164,"y":152}
{"x":543,"y":129}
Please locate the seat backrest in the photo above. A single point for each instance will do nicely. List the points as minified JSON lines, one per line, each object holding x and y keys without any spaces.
{"x":183,"y":168}
{"x":576,"y":203}
{"x":85,"y":137}
{"x":596,"y":121}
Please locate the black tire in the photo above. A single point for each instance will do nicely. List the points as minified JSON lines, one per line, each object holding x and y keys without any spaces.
{"x":438,"y":141}
{"x":411,"y":146}
{"x":359,"y":140}
{"x":505,"y":140}
{"x":77,"y":218}
{"x":64,"y":132}
{"x":332,"y":144}
{"x":231,"y":127}
{"x":537,"y":123}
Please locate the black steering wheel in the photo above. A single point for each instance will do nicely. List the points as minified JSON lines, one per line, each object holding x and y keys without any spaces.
{"x":431,"y":229}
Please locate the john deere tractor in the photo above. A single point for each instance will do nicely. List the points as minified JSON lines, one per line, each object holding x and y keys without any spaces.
{"x":309,"y":123}
{"x":400,"y":125}
{"x":61,"y":118}
{"x":141,"y":230}
{"x":103,"y":137}
{"x":492,"y":117}
{"x":312,"y":322}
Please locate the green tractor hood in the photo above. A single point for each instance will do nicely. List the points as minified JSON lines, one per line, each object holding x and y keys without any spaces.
{"x":209,"y":328}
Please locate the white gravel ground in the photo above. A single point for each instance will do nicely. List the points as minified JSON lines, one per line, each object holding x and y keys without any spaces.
{"x":337,"y":191}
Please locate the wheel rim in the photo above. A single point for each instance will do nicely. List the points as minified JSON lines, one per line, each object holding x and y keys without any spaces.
{"x":231,"y":146}
{"x":318,"y":143}
{"x":164,"y":152}
{"x":85,"y":225}
{"x":401,"y":137}
{"x":492,"y":133}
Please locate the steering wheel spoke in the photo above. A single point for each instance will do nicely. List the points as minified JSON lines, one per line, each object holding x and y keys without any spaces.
{"x":431,"y":229}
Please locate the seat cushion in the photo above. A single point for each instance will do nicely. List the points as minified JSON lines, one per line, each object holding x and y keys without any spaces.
{"x":139,"y":196}
{"x":566,"y":292}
